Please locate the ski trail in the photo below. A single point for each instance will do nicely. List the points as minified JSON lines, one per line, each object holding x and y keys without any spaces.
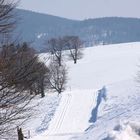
{"x":73,"y":111}
{"x":75,"y":107}
{"x":56,"y":122}
{"x":64,"y":112}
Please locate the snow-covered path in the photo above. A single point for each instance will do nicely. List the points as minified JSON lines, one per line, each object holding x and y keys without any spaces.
{"x":66,"y":122}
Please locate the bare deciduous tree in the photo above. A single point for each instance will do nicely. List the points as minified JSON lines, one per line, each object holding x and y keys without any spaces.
{"x":55,"y":46}
{"x":57,"y":77}
{"x":42,"y":75}
{"x":7,"y":18}
{"x":75,"y":46}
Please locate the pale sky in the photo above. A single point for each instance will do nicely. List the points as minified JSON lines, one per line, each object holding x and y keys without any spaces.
{"x":84,"y":9}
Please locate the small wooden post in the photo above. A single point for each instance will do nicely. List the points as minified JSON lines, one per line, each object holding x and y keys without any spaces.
{"x":20,"y":134}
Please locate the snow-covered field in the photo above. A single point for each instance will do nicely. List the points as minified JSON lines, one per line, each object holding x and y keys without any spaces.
{"x":102,"y":93}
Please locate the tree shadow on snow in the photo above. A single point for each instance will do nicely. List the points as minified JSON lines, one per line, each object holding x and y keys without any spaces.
{"x":102,"y":93}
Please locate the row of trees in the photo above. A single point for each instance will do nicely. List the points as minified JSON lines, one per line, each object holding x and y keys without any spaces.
{"x":72,"y":47}
{"x":20,"y":73}
{"x":73,"y":44}
{"x":22,"y":76}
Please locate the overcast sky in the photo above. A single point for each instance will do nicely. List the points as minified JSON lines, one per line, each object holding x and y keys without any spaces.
{"x":83,"y":9}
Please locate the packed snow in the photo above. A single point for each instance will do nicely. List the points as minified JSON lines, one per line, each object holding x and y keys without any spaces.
{"x":102,"y":93}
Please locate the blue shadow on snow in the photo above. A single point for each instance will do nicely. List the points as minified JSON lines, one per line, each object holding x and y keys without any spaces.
{"x":102,"y":93}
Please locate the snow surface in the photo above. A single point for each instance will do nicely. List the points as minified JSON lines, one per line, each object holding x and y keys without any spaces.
{"x":82,"y":113}
{"x":42,"y":113}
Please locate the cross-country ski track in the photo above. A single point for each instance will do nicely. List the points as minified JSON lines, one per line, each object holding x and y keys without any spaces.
{"x":59,"y":127}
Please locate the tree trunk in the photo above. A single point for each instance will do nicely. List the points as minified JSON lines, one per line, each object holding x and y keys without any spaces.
{"x":42,"y":92}
{"x":42,"y":87}
{"x":20,"y":134}
{"x":59,"y":63}
{"x":75,"y":61}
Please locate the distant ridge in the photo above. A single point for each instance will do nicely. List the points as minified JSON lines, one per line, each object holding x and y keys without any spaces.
{"x":39,"y":27}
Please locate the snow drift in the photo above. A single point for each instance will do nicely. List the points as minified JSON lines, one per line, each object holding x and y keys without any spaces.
{"x":125,"y":131}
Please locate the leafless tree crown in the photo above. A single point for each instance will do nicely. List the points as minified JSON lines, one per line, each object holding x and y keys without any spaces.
{"x":57,"y":77}
{"x":75,"y":46}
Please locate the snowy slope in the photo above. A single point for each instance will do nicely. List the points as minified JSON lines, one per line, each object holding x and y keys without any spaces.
{"x":105,"y":65}
{"x":42,"y":113}
{"x":122,"y":104}
{"x":82,"y":114}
